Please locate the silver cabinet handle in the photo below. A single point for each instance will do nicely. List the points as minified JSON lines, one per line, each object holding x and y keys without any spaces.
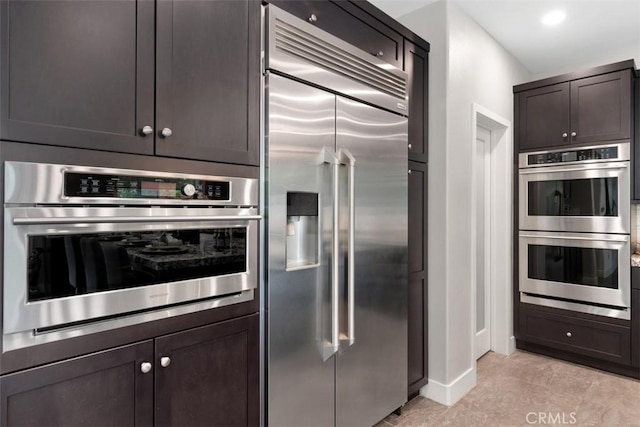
{"x":146,"y":131}
{"x":145,"y":367}
{"x":131,"y":219}
{"x":313,"y":18}
{"x":573,"y":134}
{"x":166,"y":132}
{"x":379,"y":54}
{"x":564,"y":135}
{"x":410,"y":147}
{"x":347,"y":159}
{"x":409,"y":171}
{"x":569,"y":334}
{"x":165,"y":361}
{"x":328,"y":156}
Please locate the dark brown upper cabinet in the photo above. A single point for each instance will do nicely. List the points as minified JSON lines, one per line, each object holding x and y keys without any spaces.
{"x":208,"y":80}
{"x":416,"y":64}
{"x":349,"y":23}
{"x":78,"y":73}
{"x":582,"y":111}
{"x":88,"y":73}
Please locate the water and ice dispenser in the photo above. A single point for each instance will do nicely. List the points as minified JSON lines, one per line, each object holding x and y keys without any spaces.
{"x":303,"y":240}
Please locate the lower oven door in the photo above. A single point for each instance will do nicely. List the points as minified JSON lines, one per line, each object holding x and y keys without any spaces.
{"x":67,"y":265}
{"x":576,"y":268}
{"x":583,"y":198}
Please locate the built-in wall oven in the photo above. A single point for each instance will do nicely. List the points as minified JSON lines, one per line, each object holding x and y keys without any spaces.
{"x":574,"y":221}
{"x":88,"y":249}
{"x":578,"y":189}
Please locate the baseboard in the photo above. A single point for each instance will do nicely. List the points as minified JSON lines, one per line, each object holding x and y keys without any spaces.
{"x":448,"y":394}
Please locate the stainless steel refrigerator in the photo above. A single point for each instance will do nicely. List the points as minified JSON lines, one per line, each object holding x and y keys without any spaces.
{"x":335,"y":182}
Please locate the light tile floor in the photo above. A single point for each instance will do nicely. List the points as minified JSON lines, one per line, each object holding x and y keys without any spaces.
{"x":527,"y":389}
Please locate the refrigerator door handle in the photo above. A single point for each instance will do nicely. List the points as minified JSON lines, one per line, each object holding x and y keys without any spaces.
{"x":327,"y":155}
{"x":347,"y":159}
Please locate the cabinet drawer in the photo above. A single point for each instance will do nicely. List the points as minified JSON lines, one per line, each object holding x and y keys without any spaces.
{"x":590,"y":338}
{"x":363,"y":32}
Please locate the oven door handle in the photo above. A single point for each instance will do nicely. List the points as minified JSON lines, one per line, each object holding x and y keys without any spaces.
{"x":131,"y":219}
{"x":609,"y":238}
{"x":584,"y":168}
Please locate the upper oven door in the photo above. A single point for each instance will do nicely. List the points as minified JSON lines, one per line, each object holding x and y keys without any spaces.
{"x":584,"y":198}
{"x":580,"y":267}
{"x":70,"y":264}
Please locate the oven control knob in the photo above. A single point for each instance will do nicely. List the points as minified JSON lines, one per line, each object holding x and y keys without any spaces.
{"x":188,"y":190}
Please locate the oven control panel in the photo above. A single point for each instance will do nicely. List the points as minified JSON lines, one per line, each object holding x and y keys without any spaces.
{"x":144,"y":187}
{"x":570,"y":156}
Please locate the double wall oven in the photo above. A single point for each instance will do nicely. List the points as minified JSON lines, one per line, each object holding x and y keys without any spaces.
{"x":88,"y":249}
{"x":574,"y":237}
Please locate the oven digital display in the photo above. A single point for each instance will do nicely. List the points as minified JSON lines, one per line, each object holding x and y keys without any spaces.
{"x":158,"y":189}
{"x":134,"y":187}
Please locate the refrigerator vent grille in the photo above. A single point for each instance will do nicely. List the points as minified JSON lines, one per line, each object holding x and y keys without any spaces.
{"x":297,"y":42}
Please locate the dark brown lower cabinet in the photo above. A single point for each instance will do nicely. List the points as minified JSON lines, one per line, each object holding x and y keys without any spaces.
{"x":418,"y":291}
{"x":212,"y":376}
{"x":598,"y":340}
{"x":203,"y":376}
{"x":635,"y":328}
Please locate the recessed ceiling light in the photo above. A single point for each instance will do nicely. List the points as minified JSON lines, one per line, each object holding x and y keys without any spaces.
{"x":553,"y":18}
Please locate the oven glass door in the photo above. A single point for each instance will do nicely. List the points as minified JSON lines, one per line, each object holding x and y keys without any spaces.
{"x":579,"y":267}
{"x":67,"y":265}
{"x":594,"y":198}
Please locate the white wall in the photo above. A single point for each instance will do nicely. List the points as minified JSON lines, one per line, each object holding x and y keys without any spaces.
{"x":466,"y":66}
{"x":623,"y":54}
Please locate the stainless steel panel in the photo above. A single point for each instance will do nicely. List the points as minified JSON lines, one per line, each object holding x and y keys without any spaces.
{"x":30,"y":183}
{"x":620,"y":297}
{"x":300,"y":377}
{"x":371,"y":374}
{"x":20,"y":315}
{"x":624,"y":153}
{"x":624,"y":314}
{"x":304,"y":51}
{"x":593,"y":224}
{"x":25,"y":339}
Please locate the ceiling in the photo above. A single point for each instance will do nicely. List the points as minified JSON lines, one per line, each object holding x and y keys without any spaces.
{"x":593,"y":31}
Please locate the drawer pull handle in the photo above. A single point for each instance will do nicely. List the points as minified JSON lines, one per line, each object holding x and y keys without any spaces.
{"x":573,"y":134}
{"x":313,"y":18}
{"x":145,"y":367}
{"x":564,"y":135}
{"x":569,"y":334}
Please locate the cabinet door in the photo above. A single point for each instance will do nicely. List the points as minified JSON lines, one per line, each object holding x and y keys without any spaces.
{"x":353,"y":26}
{"x":208,"y":80}
{"x":78,"y":73}
{"x":601,"y":108}
{"x":210,"y":376}
{"x":635,"y":328}
{"x":416,"y":64}
{"x":418,"y":292}
{"x":544,"y":117}
{"x":105,"y":389}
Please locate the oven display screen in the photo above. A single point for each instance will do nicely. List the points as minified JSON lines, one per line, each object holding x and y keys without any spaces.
{"x":135,"y":187}
{"x":155,"y":189}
